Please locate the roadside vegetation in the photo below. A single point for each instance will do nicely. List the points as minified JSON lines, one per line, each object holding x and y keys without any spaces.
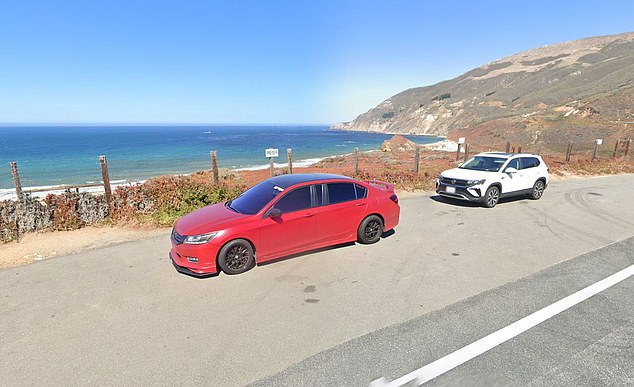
{"x":157,"y":202}
{"x":160,"y":201}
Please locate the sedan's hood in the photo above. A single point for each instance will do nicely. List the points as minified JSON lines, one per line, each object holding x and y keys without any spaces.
{"x":207,"y":219}
{"x":466,"y":174}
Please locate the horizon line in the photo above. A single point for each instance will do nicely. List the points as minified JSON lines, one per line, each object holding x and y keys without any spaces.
{"x":5,"y":124}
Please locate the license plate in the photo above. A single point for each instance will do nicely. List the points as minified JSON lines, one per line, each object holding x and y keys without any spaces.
{"x":451,"y":189}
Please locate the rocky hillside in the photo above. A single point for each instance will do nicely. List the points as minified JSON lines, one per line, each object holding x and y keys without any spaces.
{"x":577,"y":90}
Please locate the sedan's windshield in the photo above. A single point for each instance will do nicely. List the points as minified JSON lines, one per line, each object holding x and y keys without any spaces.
{"x":255,"y":198}
{"x":482,"y":163}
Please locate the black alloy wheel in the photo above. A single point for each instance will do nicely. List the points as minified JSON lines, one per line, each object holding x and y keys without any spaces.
{"x":236,"y":257}
{"x":370,"y":230}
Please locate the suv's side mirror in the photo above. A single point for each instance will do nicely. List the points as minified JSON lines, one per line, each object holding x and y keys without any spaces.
{"x":510,"y":170}
{"x":275,"y":213}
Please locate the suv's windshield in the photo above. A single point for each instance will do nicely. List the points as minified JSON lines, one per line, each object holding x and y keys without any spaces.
{"x":255,"y":198}
{"x":484,"y":163}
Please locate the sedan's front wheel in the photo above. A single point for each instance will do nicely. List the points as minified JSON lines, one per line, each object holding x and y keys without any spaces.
{"x":370,"y":230}
{"x":236,"y":257}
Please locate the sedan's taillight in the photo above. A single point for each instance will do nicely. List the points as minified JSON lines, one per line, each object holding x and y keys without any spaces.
{"x":394,"y":198}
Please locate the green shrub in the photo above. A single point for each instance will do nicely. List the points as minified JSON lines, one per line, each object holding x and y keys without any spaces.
{"x":164,"y":199}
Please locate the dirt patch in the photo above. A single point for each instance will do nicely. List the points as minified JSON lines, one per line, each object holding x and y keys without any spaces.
{"x":34,"y":247}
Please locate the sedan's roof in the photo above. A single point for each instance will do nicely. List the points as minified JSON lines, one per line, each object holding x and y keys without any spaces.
{"x":285,"y":181}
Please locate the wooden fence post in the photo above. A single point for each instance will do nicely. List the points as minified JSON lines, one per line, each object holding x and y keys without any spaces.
{"x":627,"y":147}
{"x":214,"y":168}
{"x":106,"y":181}
{"x":568,"y":151}
{"x":458,"y":152}
{"x":466,"y":152}
{"x":519,"y":149}
{"x":356,"y":160}
{"x":271,"y":166}
{"x":596,"y":148}
{"x":289,"y":156}
{"x":508,"y":146}
{"x":417,"y":159}
{"x":16,"y":180}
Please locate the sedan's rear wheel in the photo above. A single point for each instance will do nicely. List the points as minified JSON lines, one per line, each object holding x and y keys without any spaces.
{"x":491,"y":196}
{"x":538,"y":189}
{"x":370,"y":230}
{"x":236,"y":257}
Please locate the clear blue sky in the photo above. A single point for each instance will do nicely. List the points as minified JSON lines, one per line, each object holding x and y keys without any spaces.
{"x":254,"y":61}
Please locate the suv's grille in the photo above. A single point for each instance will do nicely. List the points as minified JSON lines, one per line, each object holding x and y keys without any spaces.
{"x":458,"y":182}
{"x":178,"y":238}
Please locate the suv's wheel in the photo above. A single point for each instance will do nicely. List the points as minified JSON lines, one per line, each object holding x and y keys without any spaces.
{"x":491,"y":196}
{"x":370,"y":230}
{"x":538,"y":189}
{"x":236,"y":257}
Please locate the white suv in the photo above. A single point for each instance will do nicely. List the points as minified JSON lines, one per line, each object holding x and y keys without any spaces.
{"x":487,"y":177}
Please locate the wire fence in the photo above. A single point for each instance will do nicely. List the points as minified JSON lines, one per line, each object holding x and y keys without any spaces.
{"x":17,"y":179}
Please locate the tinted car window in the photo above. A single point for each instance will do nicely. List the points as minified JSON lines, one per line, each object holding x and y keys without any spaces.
{"x":513,"y":164}
{"x":361,"y":191}
{"x":529,"y":162}
{"x":341,"y":192}
{"x":255,"y":198}
{"x":295,"y":200}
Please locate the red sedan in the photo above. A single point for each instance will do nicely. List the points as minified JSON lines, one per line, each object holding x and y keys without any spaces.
{"x":281,"y":216}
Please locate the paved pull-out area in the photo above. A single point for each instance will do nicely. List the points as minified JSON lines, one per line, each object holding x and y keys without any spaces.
{"x":123,"y":315}
{"x":592,"y":343}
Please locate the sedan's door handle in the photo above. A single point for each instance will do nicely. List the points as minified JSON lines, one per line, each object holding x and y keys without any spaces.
{"x":360,"y":204}
{"x":308,"y":215}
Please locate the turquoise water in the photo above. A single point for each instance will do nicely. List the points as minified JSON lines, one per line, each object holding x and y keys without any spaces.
{"x":70,"y":154}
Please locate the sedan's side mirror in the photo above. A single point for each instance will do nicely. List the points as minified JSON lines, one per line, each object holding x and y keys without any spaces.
{"x":510,"y":170}
{"x":275,"y":213}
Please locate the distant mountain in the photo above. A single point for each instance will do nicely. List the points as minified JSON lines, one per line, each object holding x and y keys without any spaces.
{"x":576,"y":90}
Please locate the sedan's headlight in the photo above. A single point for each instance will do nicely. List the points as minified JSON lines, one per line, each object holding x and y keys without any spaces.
{"x":475,"y":182}
{"x":199,"y":239}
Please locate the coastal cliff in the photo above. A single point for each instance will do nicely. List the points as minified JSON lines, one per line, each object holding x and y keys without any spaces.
{"x":582,"y":88}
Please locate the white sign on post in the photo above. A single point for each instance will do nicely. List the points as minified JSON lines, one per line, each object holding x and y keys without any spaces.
{"x":599,"y":141}
{"x":461,"y":140}
{"x":272,"y":152}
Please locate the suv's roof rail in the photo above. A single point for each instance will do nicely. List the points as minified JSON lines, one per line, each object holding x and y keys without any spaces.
{"x":506,"y":154}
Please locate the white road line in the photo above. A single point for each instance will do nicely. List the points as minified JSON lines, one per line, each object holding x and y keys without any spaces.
{"x":462,"y":355}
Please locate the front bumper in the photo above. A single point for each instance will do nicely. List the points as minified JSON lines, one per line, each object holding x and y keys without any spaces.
{"x":187,"y":271}
{"x":205,"y":254}
{"x":472,"y":193}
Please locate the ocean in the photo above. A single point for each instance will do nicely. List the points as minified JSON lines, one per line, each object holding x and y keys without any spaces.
{"x":57,"y":155}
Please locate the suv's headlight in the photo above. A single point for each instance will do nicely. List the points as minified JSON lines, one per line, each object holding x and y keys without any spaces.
{"x":475,"y":182}
{"x":200,"y":239}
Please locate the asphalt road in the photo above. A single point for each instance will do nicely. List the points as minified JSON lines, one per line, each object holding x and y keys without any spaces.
{"x":590,"y":344}
{"x":123,"y":315}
